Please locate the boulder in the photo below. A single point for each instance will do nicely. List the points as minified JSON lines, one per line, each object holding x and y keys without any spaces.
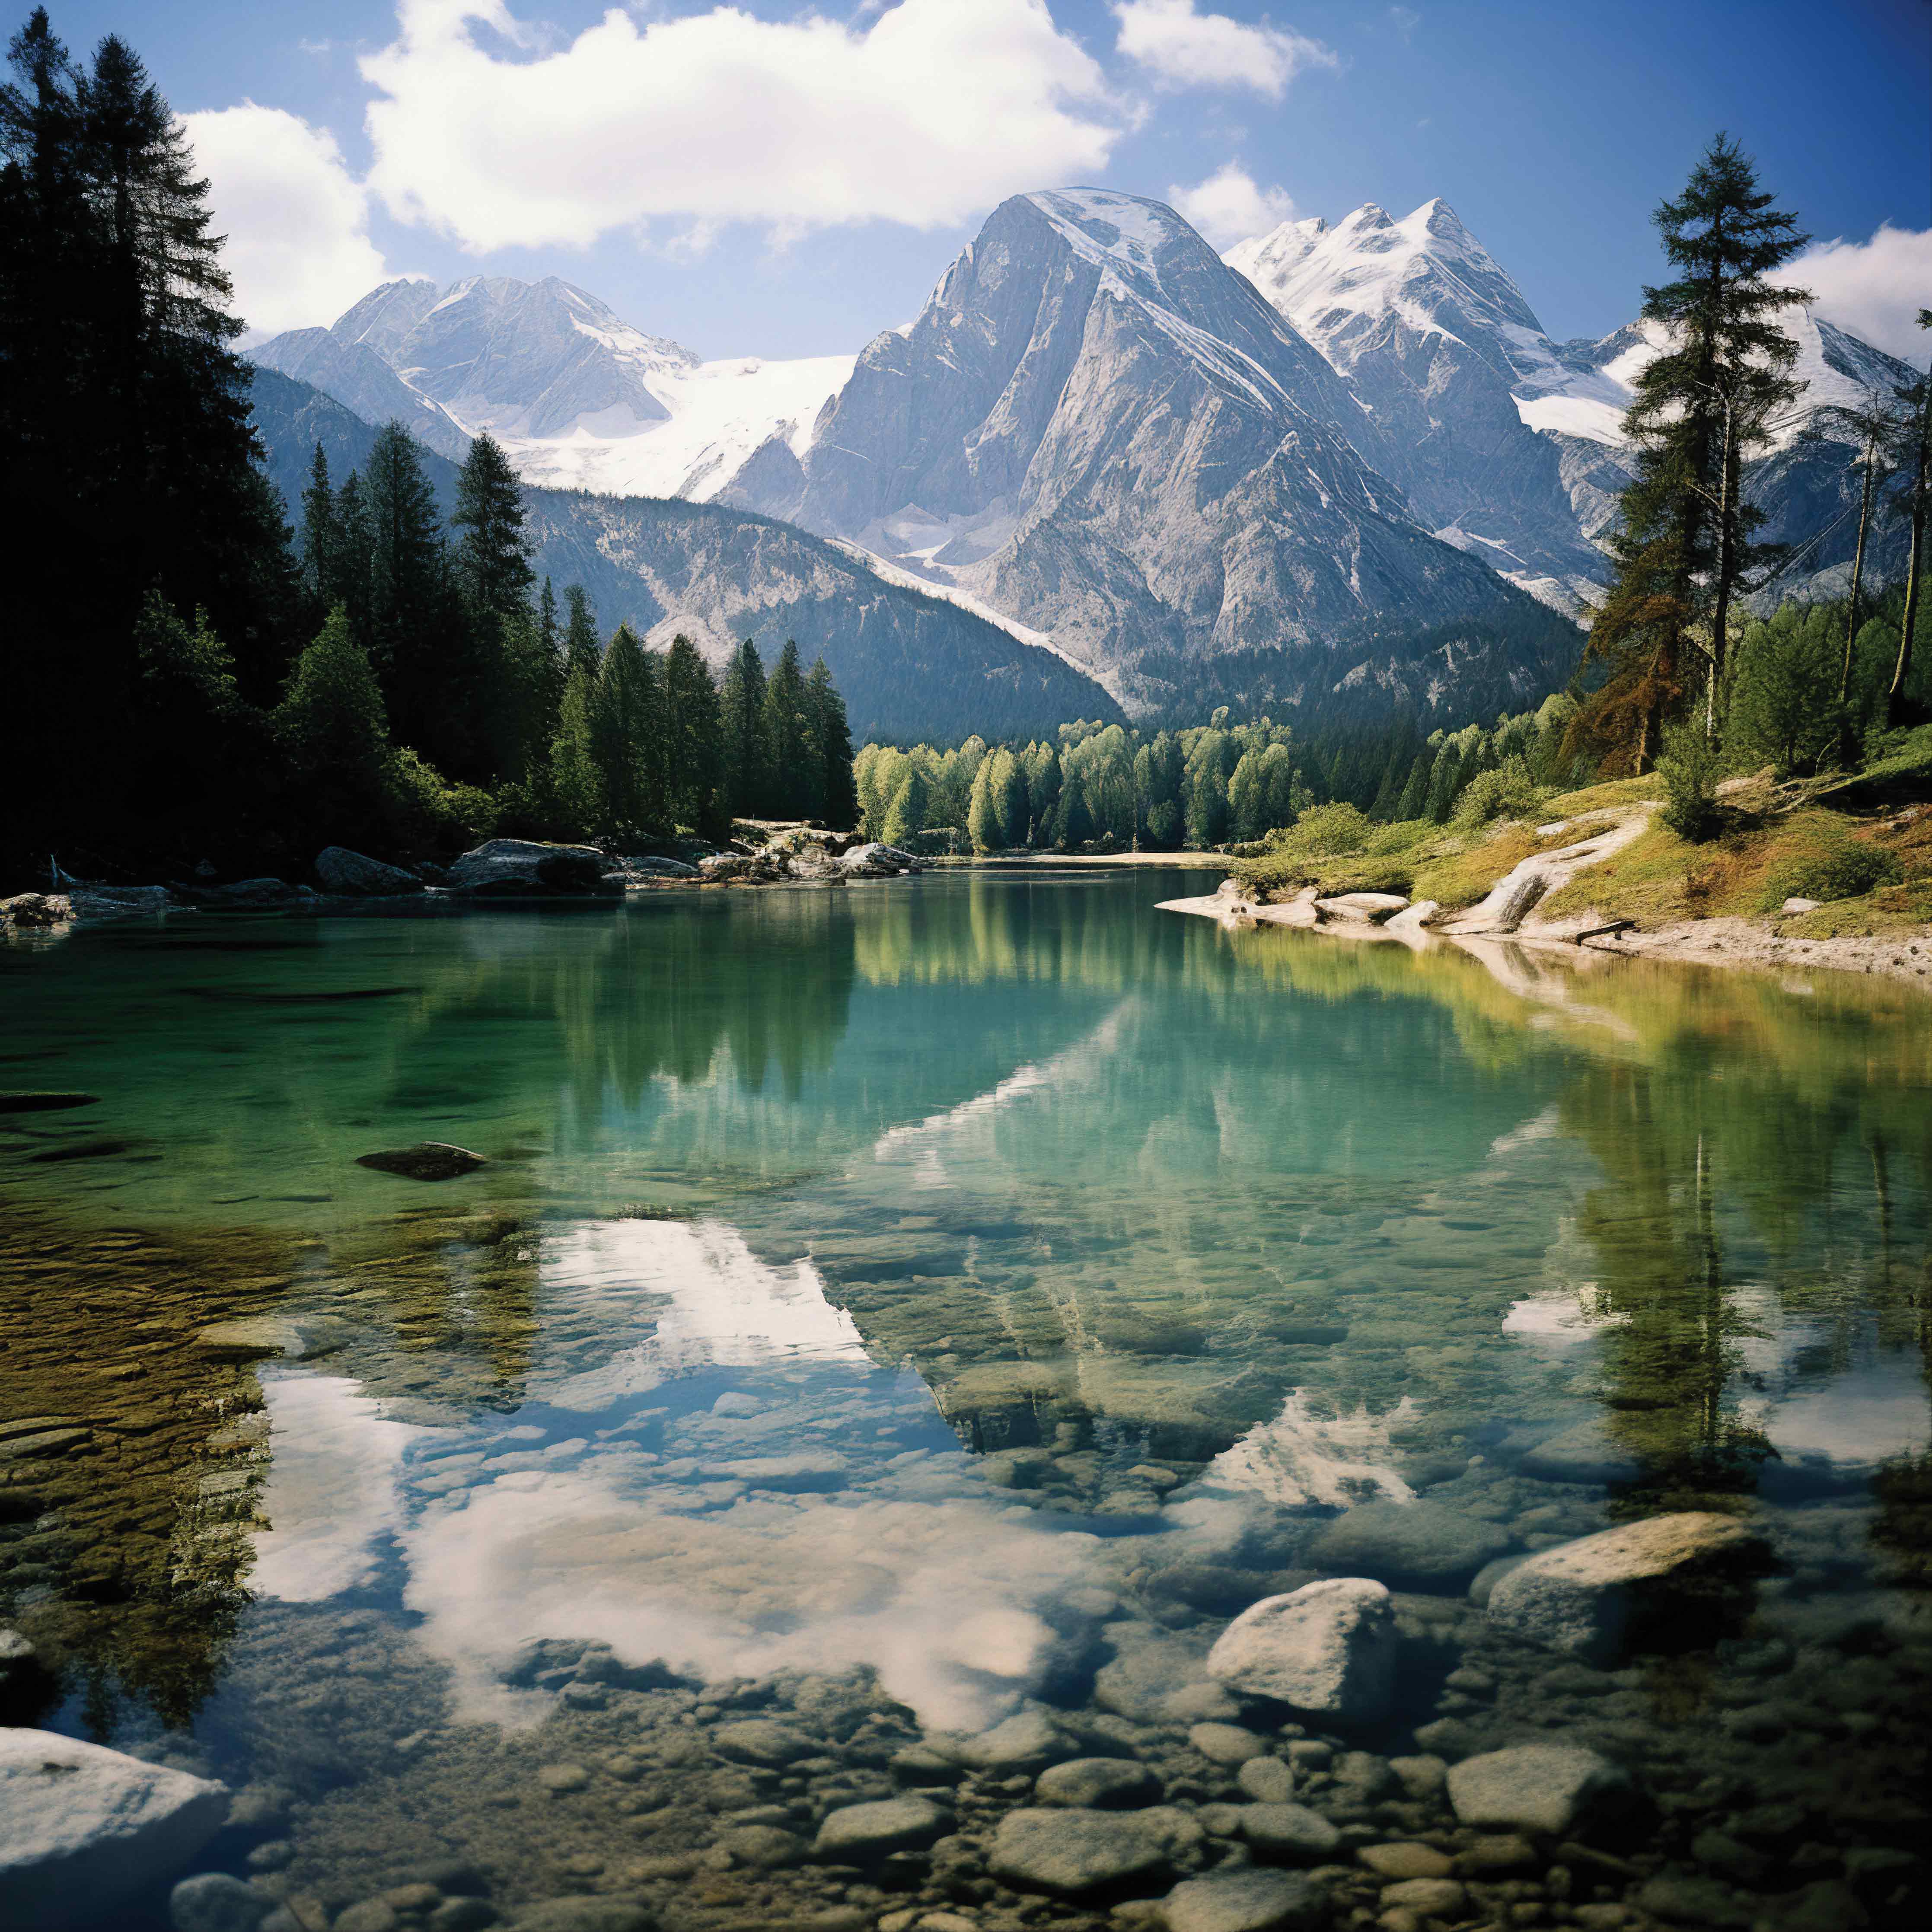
{"x":1328,"y":1648}
{"x":215,"y":1902}
{"x":1584,"y":1597}
{"x":1097,"y":1784}
{"x":1548,"y":1788}
{"x":26,"y":909}
{"x":662,"y":869}
{"x":856,"y":1832}
{"x":1245,"y":1899}
{"x":1414,"y":918}
{"x":521,"y":868}
{"x":1289,"y":1831}
{"x":878,"y":861}
{"x":1419,"y":1545}
{"x":1801,"y":905}
{"x":86,"y":1827}
{"x":760,"y":1741}
{"x":350,"y":874}
{"x":1267,"y":1781}
{"x":1023,"y":1742}
{"x":93,"y":903}
{"x":1359,"y":908}
{"x":427,"y":1160}
{"x":1587,"y":1453}
{"x":1073,"y":1852}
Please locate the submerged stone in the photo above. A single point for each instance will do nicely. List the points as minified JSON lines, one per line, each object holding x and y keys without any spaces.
{"x":857,"y":1831}
{"x":427,"y":1160}
{"x":1246,"y":1900}
{"x":1098,"y":1783}
{"x":45,"y":1103}
{"x":1425,"y":1543}
{"x":1328,"y":1648}
{"x":1073,"y":1852}
{"x":1541,"y":1788}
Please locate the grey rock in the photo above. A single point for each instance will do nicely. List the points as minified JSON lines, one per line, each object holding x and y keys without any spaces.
{"x":15,"y":1649}
{"x":1226,"y":1744}
{"x":1408,"y":1543}
{"x":873,"y":1830}
{"x":1432,"y":1898}
{"x":760,"y":1741}
{"x":1328,"y":1648}
{"x":254,"y":892}
{"x":522,"y":869}
{"x":1587,"y":1453}
{"x":462,"y":1915}
{"x":1289,"y":1831}
{"x":86,"y":1827}
{"x":1482,"y":1585}
{"x":1097,"y":1784}
{"x":427,"y":1160}
{"x":1801,"y":905}
{"x":1267,"y":1781}
{"x":1686,"y":1899}
{"x":1582,"y":1596}
{"x":1547,"y":1789}
{"x":1360,"y":908}
{"x":1074,"y":1851}
{"x":214,"y":1902}
{"x":339,"y":870}
{"x":877,"y":860}
{"x":1157,"y":1676}
{"x":582,"y":1915}
{"x":764,"y":1847}
{"x":1246,"y":1900}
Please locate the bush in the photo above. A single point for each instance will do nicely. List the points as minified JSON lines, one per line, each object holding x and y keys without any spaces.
{"x":1323,"y":832}
{"x":1690,"y":768}
{"x":1509,"y":791}
{"x":1832,"y":864}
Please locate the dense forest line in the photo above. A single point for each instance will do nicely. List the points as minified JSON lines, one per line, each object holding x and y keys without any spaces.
{"x":1099,"y":787}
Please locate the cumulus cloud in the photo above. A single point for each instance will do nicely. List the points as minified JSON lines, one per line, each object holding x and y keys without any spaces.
{"x":922,"y":114}
{"x":297,"y":221}
{"x":1182,"y":48}
{"x":1875,"y":289}
{"x":1231,"y":205}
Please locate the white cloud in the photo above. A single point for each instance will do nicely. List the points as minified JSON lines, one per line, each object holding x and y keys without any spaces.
{"x":1229,"y":206}
{"x":1182,"y":48}
{"x":1875,"y":289}
{"x":922,"y":115}
{"x":296,"y":220}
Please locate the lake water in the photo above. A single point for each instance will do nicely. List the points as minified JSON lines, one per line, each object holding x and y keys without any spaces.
{"x":888,"y":1310}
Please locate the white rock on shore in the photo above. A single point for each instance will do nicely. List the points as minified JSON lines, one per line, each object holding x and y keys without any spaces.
{"x":84,"y":1827}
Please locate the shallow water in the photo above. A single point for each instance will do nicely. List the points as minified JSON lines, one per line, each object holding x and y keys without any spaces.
{"x":888,"y":1310}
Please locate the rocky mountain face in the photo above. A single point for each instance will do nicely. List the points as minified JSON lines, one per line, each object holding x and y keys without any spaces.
{"x":1096,"y":426}
{"x":1508,"y":443}
{"x":909,"y":663}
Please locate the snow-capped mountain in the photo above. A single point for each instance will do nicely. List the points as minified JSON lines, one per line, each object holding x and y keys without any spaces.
{"x":578,"y":397}
{"x":1096,"y":427}
{"x":1508,"y":443}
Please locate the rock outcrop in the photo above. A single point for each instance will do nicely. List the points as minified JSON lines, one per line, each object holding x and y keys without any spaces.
{"x":355,"y":876}
{"x":521,"y":868}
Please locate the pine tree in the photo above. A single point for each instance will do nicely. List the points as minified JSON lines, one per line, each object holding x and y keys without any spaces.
{"x":983,"y":825}
{"x":786,"y":728}
{"x":576,"y":780}
{"x":548,"y":636}
{"x":747,"y":756}
{"x":407,"y":592}
{"x":830,"y":737}
{"x":319,"y":545}
{"x":694,"y":747}
{"x":492,"y":554}
{"x":905,"y":814}
{"x":627,"y":737}
{"x":354,"y":586}
{"x":334,"y":734}
{"x":1043,"y":782}
{"x":581,"y":650}
{"x":1413,"y":802}
{"x":1701,"y":406}
{"x":1916,"y":398}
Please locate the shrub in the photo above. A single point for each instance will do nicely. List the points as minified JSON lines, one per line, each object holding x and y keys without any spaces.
{"x":1690,"y":768}
{"x":1323,"y":832}
{"x":1830,"y":865}
{"x":1508,"y":791}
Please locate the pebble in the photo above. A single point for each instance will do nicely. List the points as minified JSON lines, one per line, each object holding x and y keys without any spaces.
{"x":1267,"y":1781}
{"x":1431,"y":1897}
{"x":462,"y":1915}
{"x":371,"y":1915}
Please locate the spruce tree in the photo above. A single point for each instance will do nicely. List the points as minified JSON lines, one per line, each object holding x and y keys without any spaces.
{"x":1916,"y":399}
{"x":830,"y":738}
{"x":581,"y":650}
{"x":1702,"y":405}
{"x":576,"y":779}
{"x":493,"y":553}
{"x":354,"y":584}
{"x":694,"y":748}
{"x":1414,"y":799}
{"x":334,"y":732}
{"x":747,"y":756}
{"x":627,"y":737}
{"x":319,"y":545}
{"x":905,"y":814}
{"x":407,"y":592}
{"x":785,"y":730}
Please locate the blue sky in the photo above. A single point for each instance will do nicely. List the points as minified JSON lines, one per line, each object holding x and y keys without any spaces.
{"x":771,"y":179}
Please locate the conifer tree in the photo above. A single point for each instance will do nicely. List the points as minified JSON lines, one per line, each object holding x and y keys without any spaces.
{"x":830,"y":738}
{"x":407,"y":591}
{"x":576,"y":780}
{"x":333,"y":729}
{"x":548,"y":636}
{"x":354,"y":584}
{"x":905,"y":814}
{"x":785,"y":733}
{"x":693,"y":741}
{"x":627,"y":736}
{"x":320,"y":544}
{"x":747,"y":756}
{"x":581,"y":650}
{"x":1916,"y":398}
{"x":492,"y":554}
{"x":1414,"y":799}
{"x":983,"y":824}
{"x":1043,"y":782}
{"x":1701,"y":405}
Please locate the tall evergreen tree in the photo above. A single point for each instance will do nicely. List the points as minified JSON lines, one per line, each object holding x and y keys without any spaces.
{"x":492,"y":554}
{"x":829,"y":739}
{"x":747,"y":756}
{"x":786,"y":735}
{"x":581,"y":650}
{"x":1701,"y":406}
{"x":627,"y":736}
{"x":319,"y":542}
{"x":576,"y":777}
{"x":407,"y":592}
{"x":1916,"y":397}
{"x":694,"y":747}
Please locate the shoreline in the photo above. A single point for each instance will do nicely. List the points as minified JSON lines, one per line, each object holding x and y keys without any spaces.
{"x":1755,"y":944}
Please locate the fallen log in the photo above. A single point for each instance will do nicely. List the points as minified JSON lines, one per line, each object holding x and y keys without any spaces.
{"x":1615,"y":926}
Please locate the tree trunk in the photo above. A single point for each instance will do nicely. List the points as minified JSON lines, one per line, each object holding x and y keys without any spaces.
{"x":1847,"y":750}
{"x":1895,"y":698}
{"x":1721,"y":617}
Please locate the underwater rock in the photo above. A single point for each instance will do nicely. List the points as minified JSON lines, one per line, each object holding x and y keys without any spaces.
{"x":1230,"y":1744}
{"x":45,"y":1103}
{"x":427,"y":1160}
{"x":1328,"y":1648}
{"x":1421,"y":1543}
{"x":1098,"y":1783}
{"x":1288,"y":1832}
{"x":1071,"y":1852}
{"x":86,"y":1826}
{"x":1246,"y":1900}
{"x":215,"y":1902}
{"x":1588,"y":1453}
{"x":1541,"y":1788}
{"x":1267,"y":1781}
{"x":1581,"y":1596}
{"x":862,"y":1831}
{"x":760,"y":1741}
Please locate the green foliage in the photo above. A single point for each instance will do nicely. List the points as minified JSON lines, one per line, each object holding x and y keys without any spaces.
{"x":1328,"y":830}
{"x":1507,"y":790}
{"x":1784,"y":710}
{"x":1831,"y":864}
{"x":1690,"y":767}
